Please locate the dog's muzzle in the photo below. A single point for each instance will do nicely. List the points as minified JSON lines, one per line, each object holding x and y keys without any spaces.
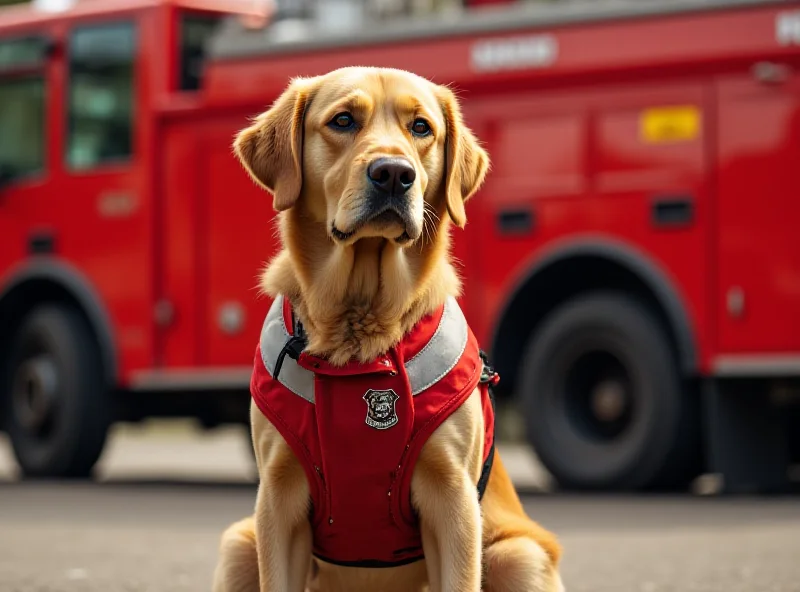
{"x":387,"y":201}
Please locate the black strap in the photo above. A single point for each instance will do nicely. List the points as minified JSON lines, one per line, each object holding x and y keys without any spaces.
{"x":294,"y":347}
{"x":488,"y":377}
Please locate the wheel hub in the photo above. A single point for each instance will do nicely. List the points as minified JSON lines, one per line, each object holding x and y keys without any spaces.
{"x":598,"y":398}
{"x":608,"y":400}
{"x":34,"y":392}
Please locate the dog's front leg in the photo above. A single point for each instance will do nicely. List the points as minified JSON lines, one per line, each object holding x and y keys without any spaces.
{"x":283,"y":532}
{"x":283,"y":545}
{"x":444,"y":494}
{"x":451,"y":539}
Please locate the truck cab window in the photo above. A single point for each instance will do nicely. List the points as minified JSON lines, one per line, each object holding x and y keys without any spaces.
{"x":22,"y":107}
{"x":195,"y":30}
{"x":101,"y":95}
{"x":21,"y":127}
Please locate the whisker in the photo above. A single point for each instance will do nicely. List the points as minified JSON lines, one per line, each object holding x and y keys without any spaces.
{"x":427,"y":224}
{"x":430,"y":220}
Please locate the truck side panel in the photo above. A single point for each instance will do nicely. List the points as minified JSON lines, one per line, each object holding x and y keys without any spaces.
{"x":758,"y":249}
{"x":601,"y":164}
{"x":241,"y":231}
{"x":219,"y":231}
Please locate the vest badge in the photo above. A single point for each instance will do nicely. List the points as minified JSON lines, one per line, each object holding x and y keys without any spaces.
{"x":381,"y":413}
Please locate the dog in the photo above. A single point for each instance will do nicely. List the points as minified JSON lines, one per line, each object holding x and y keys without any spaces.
{"x":369,"y":169}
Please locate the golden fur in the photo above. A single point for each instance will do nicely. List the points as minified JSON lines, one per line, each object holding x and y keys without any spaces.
{"x":358,"y":284}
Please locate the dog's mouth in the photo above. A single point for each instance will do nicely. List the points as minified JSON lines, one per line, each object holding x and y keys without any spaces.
{"x":379,"y":222}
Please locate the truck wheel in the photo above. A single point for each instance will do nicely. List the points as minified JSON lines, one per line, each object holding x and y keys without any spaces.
{"x":791,"y":417}
{"x":57,"y":409}
{"x":605,"y":404}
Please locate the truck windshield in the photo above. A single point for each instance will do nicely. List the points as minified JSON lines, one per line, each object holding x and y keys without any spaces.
{"x":101,"y":94}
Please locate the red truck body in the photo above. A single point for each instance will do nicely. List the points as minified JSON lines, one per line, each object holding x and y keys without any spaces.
{"x":637,"y":149}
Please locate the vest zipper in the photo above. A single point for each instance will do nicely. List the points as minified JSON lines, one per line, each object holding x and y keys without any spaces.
{"x":395,"y":483}
{"x":326,"y":493}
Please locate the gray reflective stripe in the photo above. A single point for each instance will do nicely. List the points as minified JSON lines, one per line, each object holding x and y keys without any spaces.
{"x":442,"y":352}
{"x":429,"y":366}
{"x":273,"y":337}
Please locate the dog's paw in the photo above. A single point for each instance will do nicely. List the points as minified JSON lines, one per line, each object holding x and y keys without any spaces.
{"x":520,"y":565}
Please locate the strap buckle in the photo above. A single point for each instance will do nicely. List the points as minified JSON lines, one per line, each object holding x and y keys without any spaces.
{"x":488,"y":374}
{"x":294,"y":347}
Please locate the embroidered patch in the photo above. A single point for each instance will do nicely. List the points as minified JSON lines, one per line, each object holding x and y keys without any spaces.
{"x":381,"y":413}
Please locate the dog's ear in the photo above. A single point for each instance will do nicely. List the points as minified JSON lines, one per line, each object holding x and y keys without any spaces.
{"x":466,"y":161}
{"x":271,"y":149}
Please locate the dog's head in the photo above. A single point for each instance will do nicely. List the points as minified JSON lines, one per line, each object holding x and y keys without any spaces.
{"x":366,"y":150}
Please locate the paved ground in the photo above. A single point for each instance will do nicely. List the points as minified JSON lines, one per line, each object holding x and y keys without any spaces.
{"x":162,"y":538}
{"x":153,"y":521}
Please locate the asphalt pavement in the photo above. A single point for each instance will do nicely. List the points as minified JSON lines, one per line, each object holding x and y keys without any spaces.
{"x":162,"y":537}
{"x":153,"y":520}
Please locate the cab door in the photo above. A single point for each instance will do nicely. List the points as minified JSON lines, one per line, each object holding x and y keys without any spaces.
{"x":240,"y":237}
{"x":25,"y":163}
{"x":101,"y":205}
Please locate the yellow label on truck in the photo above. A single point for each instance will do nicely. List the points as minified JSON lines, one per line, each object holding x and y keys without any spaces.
{"x":669,"y":124}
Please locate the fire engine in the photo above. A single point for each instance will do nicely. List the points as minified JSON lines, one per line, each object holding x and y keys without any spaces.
{"x":629,"y":264}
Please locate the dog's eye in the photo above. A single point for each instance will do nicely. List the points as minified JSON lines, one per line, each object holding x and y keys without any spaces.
{"x":420,"y":127}
{"x":342,"y":121}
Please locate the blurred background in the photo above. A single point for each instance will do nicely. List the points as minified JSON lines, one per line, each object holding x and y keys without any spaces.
{"x":631,"y":266}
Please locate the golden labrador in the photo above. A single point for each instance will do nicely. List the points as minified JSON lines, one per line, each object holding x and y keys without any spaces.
{"x":359,"y":279}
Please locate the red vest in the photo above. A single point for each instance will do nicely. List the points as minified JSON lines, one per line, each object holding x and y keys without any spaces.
{"x":358,"y":430}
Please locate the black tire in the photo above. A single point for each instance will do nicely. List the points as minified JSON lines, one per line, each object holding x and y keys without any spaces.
{"x":605,"y":405}
{"x":791,"y":426}
{"x":57,"y":408}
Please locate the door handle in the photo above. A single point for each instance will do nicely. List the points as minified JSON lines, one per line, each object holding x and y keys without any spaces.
{"x":515,"y":222}
{"x":41,"y":243}
{"x":670,"y":211}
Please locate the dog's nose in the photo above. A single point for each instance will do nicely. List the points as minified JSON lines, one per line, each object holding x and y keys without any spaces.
{"x":393,"y":176}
